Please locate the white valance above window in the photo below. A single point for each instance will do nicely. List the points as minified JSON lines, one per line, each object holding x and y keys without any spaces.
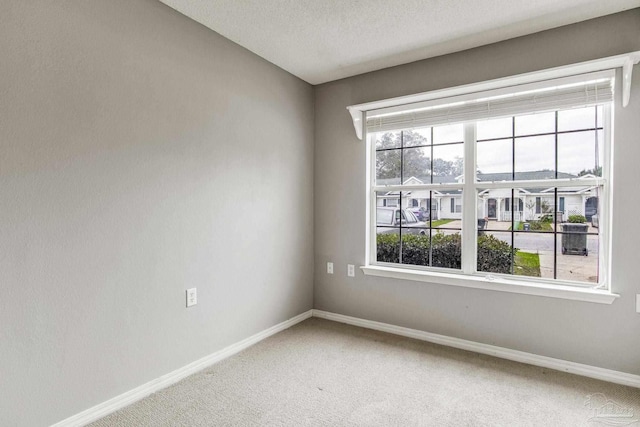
{"x":582,"y":84}
{"x":576,"y":91}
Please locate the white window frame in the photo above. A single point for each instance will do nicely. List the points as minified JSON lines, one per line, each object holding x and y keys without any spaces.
{"x":469,"y":212}
{"x":467,"y":277}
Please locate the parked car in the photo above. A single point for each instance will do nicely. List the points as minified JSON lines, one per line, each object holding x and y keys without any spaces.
{"x":388,"y":217}
{"x":421,"y":213}
{"x":595,"y":220}
{"x":590,"y":211}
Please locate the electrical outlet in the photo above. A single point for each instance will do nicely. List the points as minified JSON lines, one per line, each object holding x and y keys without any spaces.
{"x":351,"y":270}
{"x":192,"y":297}
{"x":329,"y":268}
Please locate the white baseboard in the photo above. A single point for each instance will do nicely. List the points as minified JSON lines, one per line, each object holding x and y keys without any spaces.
{"x":492,"y":350}
{"x":131,"y":396}
{"x":125,"y":399}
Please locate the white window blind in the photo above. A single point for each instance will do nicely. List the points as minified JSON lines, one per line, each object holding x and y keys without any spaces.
{"x":569,"y":92}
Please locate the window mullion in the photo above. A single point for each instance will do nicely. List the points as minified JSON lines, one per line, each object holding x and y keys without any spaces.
{"x":469,"y":211}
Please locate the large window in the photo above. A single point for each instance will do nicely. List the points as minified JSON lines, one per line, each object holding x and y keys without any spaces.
{"x":511,"y":183}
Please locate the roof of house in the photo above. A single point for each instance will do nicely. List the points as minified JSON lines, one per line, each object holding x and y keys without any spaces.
{"x":524,"y":176}
{"x":482,"y":177}
{"x":489,"y":177}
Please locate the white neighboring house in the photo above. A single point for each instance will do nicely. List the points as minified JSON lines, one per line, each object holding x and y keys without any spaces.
{"x":495,"y":204}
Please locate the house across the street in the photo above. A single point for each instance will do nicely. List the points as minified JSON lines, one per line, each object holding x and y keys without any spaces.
{"x":519,"y":204}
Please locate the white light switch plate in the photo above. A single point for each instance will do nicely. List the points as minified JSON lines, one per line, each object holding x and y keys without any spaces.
{"x":329,"y":268}
{"x":192,"y":297}
{"x":637,"y":303}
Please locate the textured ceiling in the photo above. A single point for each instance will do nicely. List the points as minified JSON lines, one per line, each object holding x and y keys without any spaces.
{"x":324,"y":40}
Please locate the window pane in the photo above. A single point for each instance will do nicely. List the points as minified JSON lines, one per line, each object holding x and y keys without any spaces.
{"x":388,"y":245}
{"x":496,"y":128}
{"x":449,"y":133}
{"x":415,"y":137}
{"x":494,"y":252}
{"x":415,"y":214}
{"x":450,"y":202}
{"x":447,"y":163}
{"x":539,"y":209}
{"x":416,"y":249}
{"x":497,"y":207}
{"x":387,"y":204}
{"x":441,"y":250}
{"x":419,"y":204}
{"x":577,"y":118}
{"x":403,"y":228}
{"x":577,"y":253}
{"x":388,"y":218}
{"x":388,"y":167}
{"x":416,"y":163}
{"x":534,"y":124}
{"x":578,"y":154}
{"x":435,"y":239}
{"x":411,"y":212}
{"x":386,"y":140}
{"x":446,"y":249}
{"x":535,"y":157}
{"x":583,"y":201}
{"x":534,"y":254}
{"x":494,"y":160}
{"x":445,"y":235}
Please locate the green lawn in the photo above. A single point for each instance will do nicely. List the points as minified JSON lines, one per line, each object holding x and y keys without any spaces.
{"x":439,"y":222}
{"x":527,"y":264}
{"x":535,"y":226}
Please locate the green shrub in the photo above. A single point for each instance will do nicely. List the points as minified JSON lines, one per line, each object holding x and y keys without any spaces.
{"x":546,"y":218}
{"x":446,"y":250}
{"x":415,"y":249}
{"x":388,"y":247}
{"x":494,"y":255}
{"x":577,"y":219}
{"x":540,"y":225}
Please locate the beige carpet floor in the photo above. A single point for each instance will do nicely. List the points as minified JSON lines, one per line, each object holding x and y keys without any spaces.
{"x":323,"y":373}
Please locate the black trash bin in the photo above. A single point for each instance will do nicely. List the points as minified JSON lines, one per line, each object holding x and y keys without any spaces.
{"x":482,"y":225}
{"x":574,"y":239}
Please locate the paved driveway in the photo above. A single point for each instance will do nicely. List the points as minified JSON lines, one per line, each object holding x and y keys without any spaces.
{"x":569,"y":267}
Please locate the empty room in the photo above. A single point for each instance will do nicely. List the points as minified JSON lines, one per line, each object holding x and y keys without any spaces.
{"x":321,"y":213}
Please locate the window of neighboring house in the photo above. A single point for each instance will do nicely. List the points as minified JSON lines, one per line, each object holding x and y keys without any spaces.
{"x":549,"y":152}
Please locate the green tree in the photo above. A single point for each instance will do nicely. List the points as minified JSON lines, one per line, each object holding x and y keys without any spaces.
{"x":413,"y":161}
{"x":597,"y":171}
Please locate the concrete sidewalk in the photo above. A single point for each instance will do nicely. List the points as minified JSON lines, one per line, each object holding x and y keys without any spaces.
{"x":577,"y":268}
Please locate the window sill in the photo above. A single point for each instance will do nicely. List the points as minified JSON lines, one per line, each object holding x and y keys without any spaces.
{"x":496,"y":284}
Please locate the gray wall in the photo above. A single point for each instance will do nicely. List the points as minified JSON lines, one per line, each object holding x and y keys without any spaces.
{"x":140,"y":154}
{"x":595,"y":334}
